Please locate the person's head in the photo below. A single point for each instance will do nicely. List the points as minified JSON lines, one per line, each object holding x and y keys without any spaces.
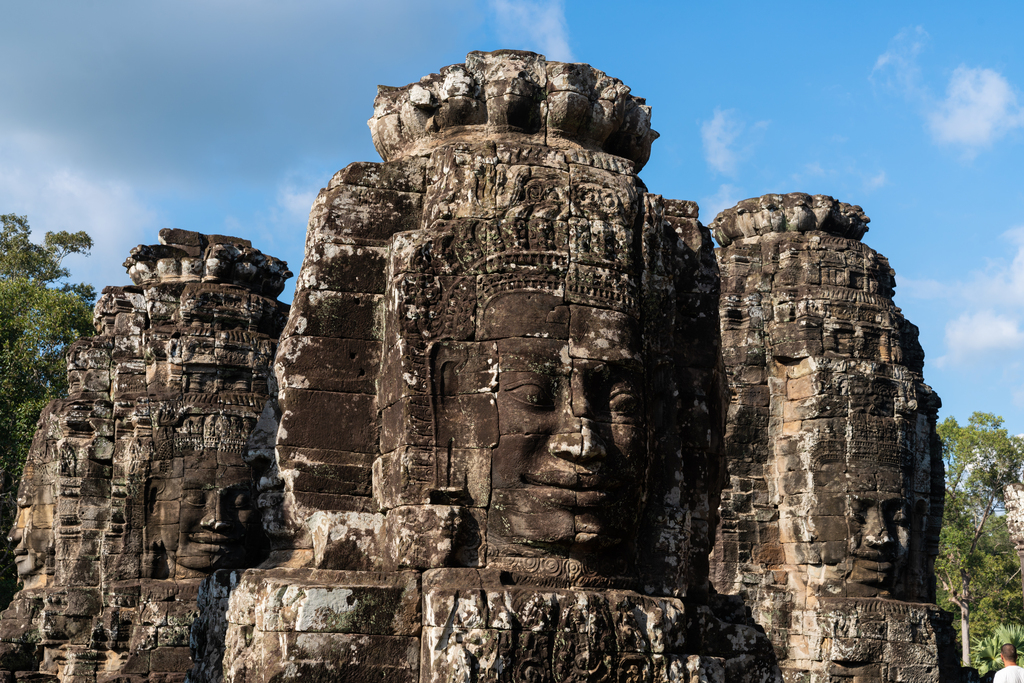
{"x":1008,"y":653}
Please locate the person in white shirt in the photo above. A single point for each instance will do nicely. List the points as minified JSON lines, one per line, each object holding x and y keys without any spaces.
{"x":1010,"y":673}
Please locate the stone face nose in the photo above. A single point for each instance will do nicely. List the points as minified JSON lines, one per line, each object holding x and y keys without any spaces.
{"x":876,"y":535}
{"x":585,"y":446}
{"x":217,"y":525}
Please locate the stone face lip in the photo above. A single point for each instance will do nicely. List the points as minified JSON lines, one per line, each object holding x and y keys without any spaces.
{"x":513,"y":96}
{"x":793,"y":212}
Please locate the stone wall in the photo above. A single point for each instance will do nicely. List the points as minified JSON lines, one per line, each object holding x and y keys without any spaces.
{"x":835,"y":502}
{"x":137,"y":485}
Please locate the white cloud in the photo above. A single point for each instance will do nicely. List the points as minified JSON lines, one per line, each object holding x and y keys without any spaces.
{"x":980,"y":107}
{"x":876,"y":181}
{"x":1000,"y":283}
{"x":719,"y":134}
{"x":111,"y":213}
{"x":814,"y":169}
{"x":991,"y":333}
{"x":981,"y":336}
{"x":726,"y":197}
{"x":728,"y":140}
{"x":534,"y":23}
{"x":295,"y":202}
{"x":897,"y":67}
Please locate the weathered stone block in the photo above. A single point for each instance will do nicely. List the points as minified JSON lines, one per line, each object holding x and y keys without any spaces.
{"x":429,"y":536}
{"x":329,"y":421}
{"x":327,"y":364}
{"x":354,"y":212}
{"x":408,"y":422}
{"x":346,"y":539}
{"x":340,"y":315}
{"x":343,"y":268}
{"x":337,"y":656}
{"x":346,"y":608}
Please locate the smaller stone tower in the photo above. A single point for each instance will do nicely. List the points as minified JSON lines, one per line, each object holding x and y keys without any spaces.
{"x":830,"y":526}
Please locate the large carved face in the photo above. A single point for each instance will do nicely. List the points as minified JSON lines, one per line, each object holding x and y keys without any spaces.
{"x":203,"y":518}
{"x":213,"y":526}
{"x":30,"y":544}
{"x":879,"y":526}
{"x":32,"y":533}
{"x":513,"y":348}
{"x":568,"y":470}
{"x":864,"y":537}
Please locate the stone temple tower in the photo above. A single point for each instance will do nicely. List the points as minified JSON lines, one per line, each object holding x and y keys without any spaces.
{"x":830,"y":525}
{"x":500,"y":411}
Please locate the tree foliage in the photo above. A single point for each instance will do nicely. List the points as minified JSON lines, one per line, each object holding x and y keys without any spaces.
{"x":985,"y":651}
{"x":40,"y":315}
{"x":977,"y":568}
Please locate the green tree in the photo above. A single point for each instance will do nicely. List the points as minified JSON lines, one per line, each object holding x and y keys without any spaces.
{"x":40,"y":315}
{"x":977,"y":567}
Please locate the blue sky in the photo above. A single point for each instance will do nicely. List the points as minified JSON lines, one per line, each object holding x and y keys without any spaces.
{"x":121,"y":118}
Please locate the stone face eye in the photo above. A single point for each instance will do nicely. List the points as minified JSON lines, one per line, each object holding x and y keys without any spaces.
{"x":242,"y":500}
{"x":897,"y":513}
{"x":194,"y":497}
{"x":532,"y":394}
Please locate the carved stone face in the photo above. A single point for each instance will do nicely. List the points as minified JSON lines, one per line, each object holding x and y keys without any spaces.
{"x":863,"y":539}
{"x":32,"y":535}
{"x":213,"y":523}
{"x":202,"y":519}
{"x":879,"y":539}
{"x":567,"y":474}
{"x":513,"y":368}
{"x":27,"y":557}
